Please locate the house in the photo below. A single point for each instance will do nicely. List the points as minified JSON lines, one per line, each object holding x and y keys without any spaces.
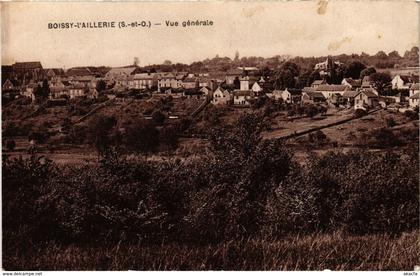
{"x":331,"y":89}
{"x":121,"y":72}
{"x":77,"y":90}
{"x":257,"y":89}
{"x":365,"y":99}
{"x":203,"y":81}
{"x":190,"y":82}
{"x":233,"y":75}
{"x":311,"y":96}
{"x":193,"y":93}
{"x":143,"y":81}
{"x":221,"y":96}
{"x":349,"y":97}
{"x":174,"y":92}
{"x":317,"y":83}
{"x":53,"y":73}
{"x":413,"y":100}
{"x":243,"y":97}
{"x":206,"y":91}
{"x":79,"y":71}
{"x":352,"y":83}
{"x":325,"y":68}
{"x":367,"y":82}
{"x":8,"y":85}
{"x":289,"y":95}
{"x":244,"y":83}
{"x":26,"y":71}
{"x":400,"y":82}
{"x":168,"y":80}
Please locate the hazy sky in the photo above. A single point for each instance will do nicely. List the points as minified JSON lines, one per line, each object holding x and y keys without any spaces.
{"x":305,"y":28}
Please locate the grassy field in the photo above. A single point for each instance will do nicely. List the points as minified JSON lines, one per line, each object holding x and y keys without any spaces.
{"x":314,"y":252}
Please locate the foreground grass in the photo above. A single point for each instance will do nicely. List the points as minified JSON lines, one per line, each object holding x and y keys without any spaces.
{"x":313,"y":252}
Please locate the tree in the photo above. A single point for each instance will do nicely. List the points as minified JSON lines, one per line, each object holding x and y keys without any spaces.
{"x":413,"y":54}
{"x":367,"y":72}
{"x":10,"y":144}
{"x":158,"y":117}
{"x":381,"y":55}
{"x":394,"y":55}
{"x":142,"y":137}
{"x":100,"y":85}
{"x":99,"y":133}
{"x":167,"y":62}
{"x":285,"y":76}
{"x":168,"y":137}
{"x":311,"y":110}
{"x":230,"y":204}
{"x":354,"y":69}
{"x":381,"y":81}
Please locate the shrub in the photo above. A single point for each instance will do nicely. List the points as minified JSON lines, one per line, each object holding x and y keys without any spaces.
{"x":168,"y":138}
{"x":311,"y":110}
{"x":158,"y":117}
{"x":390,"y":121}
{"x":355,"y":192}
{"x":10,"y":144}
{"x":412,"y":115}
{"x":358,"y":113}
{"x":317,"y":137}
{"x":141,"y":137}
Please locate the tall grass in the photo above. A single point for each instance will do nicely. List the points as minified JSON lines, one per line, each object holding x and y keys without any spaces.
{"x":335,"y":251}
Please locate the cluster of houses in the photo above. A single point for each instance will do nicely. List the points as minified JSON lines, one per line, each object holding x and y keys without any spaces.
{"x":238,"y":87}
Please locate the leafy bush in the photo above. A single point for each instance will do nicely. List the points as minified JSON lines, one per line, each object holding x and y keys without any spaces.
{"x":356,"y":192}
{"x":390,"y":121}
{"x":358,"y":113}
{"x":10,"y":144}
{"x":412,"y":115}
{"x":158,"y":117}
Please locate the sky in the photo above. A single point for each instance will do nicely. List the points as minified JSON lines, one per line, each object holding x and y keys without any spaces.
{"x":263,"y":28}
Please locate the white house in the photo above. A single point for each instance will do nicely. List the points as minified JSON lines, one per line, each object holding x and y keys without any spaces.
{"x":256,"y":88}
{"x":352,"y":83}
{"x":401,"y":82}
{"x":331,"y":89}
{"x":365,"y":100}
{"x":413,"y":100}
{"x":220,"y":96}
{"x":243,"y":97}
{"x":288,"y":95}
{"x":143,"y":81}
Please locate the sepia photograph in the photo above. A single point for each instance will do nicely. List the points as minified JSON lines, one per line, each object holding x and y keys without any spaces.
{"x":210,"y":136}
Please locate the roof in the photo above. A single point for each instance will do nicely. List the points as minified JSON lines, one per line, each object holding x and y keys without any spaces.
{"x":144,"y":76}
{"x":369,"y":93}
{"x":366,"y":79}
{"x":331,"y":87}
{"x":234,"y":72}
{"x":190,"y":79}
{"x":294,"y":91}
{"x":414,"y":86}
{"x":318,"y":82}
{"x":350,"y":94}
{"x":193,"y":91}
{"x":314,"y":94}
{"x":353,"y":82}
{"x":415,"y":96}
{"x":308,"y":89}
{"x":122,"y":71}
{"x":27,"y":65}
{"x":243,"y":93}
{"x":78,"y":71}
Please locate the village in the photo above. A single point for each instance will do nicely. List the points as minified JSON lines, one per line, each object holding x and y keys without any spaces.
{"x":52,"y":106}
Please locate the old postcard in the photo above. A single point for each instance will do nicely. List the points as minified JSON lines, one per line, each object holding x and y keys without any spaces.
{"x":224,"y":135}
